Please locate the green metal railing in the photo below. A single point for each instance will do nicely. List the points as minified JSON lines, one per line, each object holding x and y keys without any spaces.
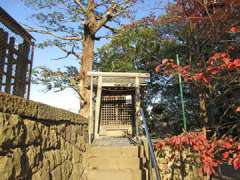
{"x":182,"y":98}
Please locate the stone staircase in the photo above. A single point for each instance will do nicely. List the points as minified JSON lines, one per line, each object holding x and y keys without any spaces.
{"x":115,"y":159}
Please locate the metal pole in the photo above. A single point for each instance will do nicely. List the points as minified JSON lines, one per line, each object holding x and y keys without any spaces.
{"x":181,"y":95}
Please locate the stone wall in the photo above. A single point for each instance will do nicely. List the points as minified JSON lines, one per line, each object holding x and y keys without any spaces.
{"x":40,"y":142}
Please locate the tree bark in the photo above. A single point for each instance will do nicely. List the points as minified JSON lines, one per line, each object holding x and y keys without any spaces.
{"x":203,"y":112}
{"x":91,"y":27}
{"x":86,"y":66}
{"x":87,"y":59}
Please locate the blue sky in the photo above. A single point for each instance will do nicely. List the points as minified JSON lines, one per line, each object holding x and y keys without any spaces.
{"x":43,"y":57}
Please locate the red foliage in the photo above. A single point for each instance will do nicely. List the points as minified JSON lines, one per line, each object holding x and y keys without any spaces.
{"x":207,"y":150}
{"x":225,"y":155}
{"x":236,"y":162}
{"x":211,"y":18}
{"x":199,"y":77}
{"x":216,"y":64}
{"x":238,"y":110}
{"x":158,"y":69}
{"x":149,"y":20}
{"x":234,"y":29}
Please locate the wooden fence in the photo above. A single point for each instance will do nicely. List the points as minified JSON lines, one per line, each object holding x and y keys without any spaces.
{"x":15,"y":65}
{"x":15,"y":58}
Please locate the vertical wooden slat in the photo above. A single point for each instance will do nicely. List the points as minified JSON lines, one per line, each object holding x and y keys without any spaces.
{"x":9,"y":65}
{"x":19,"y":75}
{"x":98,"y":106}
{"x":21,"y":70}
{"x":3,"y":49}
{"x":30,"y":70}
{"x":137,"y":106}
{"x":90,"y":125}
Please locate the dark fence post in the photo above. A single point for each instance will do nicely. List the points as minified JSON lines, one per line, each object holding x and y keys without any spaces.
{"x":3,"y":50}
{"x":21,"y":69}
{"x":10,"y":61}
{"x":15,"y":63}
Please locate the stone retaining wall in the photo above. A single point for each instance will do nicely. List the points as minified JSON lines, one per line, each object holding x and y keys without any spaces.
{"x":40,"y":142}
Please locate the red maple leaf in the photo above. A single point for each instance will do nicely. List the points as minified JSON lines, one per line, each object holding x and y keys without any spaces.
{"x":238,"y":109}
{"x":225,"y":155}
{"x":227,"y":145}
{"x":238,"y":147}
{"x":236,"y":163}
{"x":234,"y":29}
{"x":201,"y":77}
{"x":236,"y":62}
{"x":158,"y":68}
{"x":213,"y":70}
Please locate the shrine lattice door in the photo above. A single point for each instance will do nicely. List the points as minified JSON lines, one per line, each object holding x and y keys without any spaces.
{"x":117,"y":112}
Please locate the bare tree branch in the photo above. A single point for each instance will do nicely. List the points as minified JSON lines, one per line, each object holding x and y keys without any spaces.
{"x":107,"y":17}
{"x":72,"y":52}
{"x":72,"y":8}
{"x":98,"y":38}
{"x":113,"y":11}
{"x":41,"y":31}
{"x":78,"y":2}
{"x":64,"y":57}
{"x":103,"y":3}
{"x":110,"y":28}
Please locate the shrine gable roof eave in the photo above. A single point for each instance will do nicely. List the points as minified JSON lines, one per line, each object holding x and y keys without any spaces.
{"x":119,"y":79}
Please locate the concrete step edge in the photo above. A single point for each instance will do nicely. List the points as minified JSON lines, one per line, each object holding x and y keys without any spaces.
{"x":125,"y":174}
{"x":135,"y":151}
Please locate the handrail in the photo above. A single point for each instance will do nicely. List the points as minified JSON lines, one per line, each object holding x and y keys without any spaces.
{"x":150,"y":145}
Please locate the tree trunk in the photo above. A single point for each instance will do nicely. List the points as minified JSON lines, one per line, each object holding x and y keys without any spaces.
{"x":87,"y":58}
{"x":86,"y":66}
{"x":203,"y":112}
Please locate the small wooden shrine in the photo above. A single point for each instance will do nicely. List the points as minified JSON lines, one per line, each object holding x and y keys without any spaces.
{"x":115,"y":105}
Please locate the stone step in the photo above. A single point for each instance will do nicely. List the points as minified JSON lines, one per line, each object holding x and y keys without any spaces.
{"x":114,"y":163}
{"x":114,"y":151}
{"x":114,"y":133}
{"x":123,"y":174}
